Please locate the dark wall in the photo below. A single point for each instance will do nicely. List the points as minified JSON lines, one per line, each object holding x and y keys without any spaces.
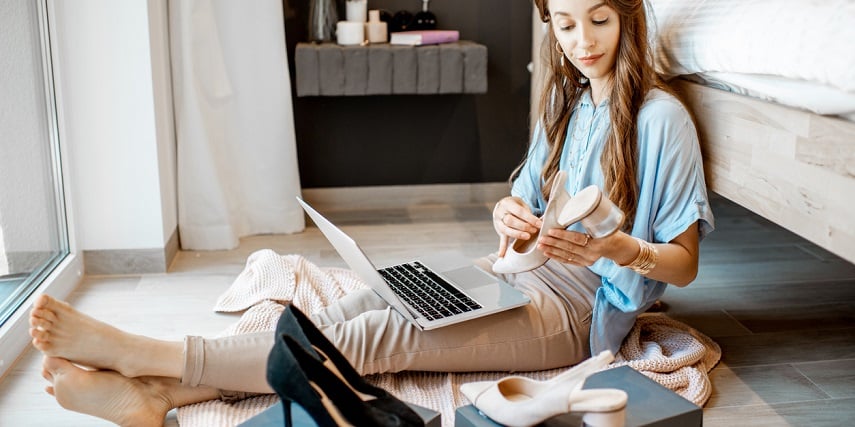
{"x":422,"y":139}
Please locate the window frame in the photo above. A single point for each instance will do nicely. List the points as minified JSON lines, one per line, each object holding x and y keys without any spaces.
{"x":63,"y":273}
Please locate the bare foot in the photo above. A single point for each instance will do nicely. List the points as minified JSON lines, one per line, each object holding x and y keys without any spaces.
{"x":58,"y":330}
{"x":106,"y":394}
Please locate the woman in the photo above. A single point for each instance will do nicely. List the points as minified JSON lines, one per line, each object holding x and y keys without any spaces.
{"x":605,"y":118}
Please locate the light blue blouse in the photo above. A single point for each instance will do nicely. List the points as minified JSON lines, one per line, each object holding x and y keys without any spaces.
{"x":672,"y":197}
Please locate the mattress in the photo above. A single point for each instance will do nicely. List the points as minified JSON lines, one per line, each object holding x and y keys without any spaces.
{"x":813,"y":97}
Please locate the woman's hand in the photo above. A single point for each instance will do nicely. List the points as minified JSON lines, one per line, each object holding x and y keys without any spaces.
{"x":512,"y":218}
{"x":677,"y":260}
{"x":572,"y":247}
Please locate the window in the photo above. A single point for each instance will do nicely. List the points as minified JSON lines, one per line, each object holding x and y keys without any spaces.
{"x":33,"y":231}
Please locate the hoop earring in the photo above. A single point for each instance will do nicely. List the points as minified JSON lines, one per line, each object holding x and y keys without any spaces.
{"x":560,"y":52}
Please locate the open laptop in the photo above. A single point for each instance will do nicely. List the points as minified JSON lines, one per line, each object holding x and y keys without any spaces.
{"x":429,"y":298}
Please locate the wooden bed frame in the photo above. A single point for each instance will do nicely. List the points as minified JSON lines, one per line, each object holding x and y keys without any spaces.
{"x":792,"y":167}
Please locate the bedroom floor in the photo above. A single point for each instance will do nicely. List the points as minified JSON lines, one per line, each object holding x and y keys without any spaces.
{"x":782,"y":309}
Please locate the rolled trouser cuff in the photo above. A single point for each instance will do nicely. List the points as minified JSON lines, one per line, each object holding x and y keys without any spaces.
{"x":194,"y":360}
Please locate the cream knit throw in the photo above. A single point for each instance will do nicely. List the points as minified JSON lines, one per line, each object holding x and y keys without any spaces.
{"x":671,"y":353}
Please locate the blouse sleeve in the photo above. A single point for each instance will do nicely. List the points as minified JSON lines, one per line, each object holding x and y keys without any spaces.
{"x":672,"y":197}
{"x":528,"y":183}
{"x":672,"y":177}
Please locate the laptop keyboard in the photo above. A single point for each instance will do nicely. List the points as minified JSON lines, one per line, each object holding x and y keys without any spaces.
{"x":427,"y":293}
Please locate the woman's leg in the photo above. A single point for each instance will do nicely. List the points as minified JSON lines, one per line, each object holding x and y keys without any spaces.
{"x":59,"y":330}
{"x":236,"y":363}
{"x":550,"y":332}
{"x":125,"y":401}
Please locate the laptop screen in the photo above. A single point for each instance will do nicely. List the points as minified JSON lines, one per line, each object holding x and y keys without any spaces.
{"x":353,"y":255}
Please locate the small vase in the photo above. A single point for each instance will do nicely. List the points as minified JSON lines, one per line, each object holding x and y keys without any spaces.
{"x":322,"y":19}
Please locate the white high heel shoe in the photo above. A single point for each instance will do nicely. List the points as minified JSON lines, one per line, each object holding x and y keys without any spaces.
{"x":598,"y":215}
{"x":519,"y":401}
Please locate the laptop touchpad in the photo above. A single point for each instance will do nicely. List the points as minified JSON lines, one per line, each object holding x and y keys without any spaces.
{"x":469,"y":277}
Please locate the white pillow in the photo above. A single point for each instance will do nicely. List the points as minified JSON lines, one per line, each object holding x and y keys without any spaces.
{"x":801,"y":39}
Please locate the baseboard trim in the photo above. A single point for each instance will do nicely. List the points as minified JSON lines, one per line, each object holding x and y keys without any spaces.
{"x":158,"y":260}
{"x":403,"y":196}
{"x":131,"y":261}
{"x":173,"y":245}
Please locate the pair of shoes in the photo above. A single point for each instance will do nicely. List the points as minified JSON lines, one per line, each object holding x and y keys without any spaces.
{"x":520,"y":401}
{"x":304,"y":367}
{"x":597,"y":213}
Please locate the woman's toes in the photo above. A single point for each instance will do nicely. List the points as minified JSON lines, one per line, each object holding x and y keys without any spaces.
{"x":43,"y":316}
{"x":40,"y":338}
{"x":40,"y":345}
{"x":40,"y":301}
{"x":44,"y":301}
{"x":43,"y":336}
{"x":35,"y":321}
{"x":55,"y":365}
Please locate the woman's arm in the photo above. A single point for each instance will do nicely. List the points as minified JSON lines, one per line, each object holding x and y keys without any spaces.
{"x":676,"y":262}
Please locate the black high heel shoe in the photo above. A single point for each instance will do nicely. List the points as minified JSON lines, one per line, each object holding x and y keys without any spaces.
{"x":298,"y":326}
{"x":299,"y":377}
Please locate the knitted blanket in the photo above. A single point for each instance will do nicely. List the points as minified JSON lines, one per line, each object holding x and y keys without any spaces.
{"x":670,"y":352}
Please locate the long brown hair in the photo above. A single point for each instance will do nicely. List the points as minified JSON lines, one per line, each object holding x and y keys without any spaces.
{"x":632,"y":79}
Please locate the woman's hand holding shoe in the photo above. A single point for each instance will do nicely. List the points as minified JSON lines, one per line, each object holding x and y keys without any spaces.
{"x":572,"y":247}
{"x":513,"y":219}
{"x":600,"y":218}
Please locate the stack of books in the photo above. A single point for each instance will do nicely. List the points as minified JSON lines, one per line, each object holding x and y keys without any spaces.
{"x":423,"y":37}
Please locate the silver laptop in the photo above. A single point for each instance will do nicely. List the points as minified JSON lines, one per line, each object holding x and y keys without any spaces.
{"x":427,"y":295}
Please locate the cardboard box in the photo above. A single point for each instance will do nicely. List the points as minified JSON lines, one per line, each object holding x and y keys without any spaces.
{"x":649,"y":404}
{"x":273,"y":416}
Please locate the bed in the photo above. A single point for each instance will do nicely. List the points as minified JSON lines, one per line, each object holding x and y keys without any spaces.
{"x":771,"y":84}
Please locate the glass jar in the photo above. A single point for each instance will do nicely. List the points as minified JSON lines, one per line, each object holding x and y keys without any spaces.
{"x":322,"y":19}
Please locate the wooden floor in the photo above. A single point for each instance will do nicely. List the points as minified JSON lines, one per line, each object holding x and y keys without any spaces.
{"x":782,"y":309}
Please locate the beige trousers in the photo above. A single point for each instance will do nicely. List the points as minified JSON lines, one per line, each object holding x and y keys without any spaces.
{"x":552,"y":331}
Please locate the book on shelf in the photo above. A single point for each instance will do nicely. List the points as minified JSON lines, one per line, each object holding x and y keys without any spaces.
{"x":422,"y":37}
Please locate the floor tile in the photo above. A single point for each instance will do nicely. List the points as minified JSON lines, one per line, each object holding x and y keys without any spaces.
{"x":826,"y":413}
{"x":796,"y":318}
{"x":835,"y":377}
{"x":767,"y":384}
{"x":788,"y":347}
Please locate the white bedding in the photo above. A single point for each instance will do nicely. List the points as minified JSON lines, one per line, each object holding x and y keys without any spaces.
{"x":807,"y":40}
{"x":814,"y":97}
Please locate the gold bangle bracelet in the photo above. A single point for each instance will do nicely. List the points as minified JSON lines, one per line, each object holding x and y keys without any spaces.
{"x":646,"y":259}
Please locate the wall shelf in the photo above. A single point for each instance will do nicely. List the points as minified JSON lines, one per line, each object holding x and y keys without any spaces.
{"x":327,"y":69}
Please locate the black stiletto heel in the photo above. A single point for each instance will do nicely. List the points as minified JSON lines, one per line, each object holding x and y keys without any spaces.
{"x":275,"y":361}
{"x":302,"y":378}
{"x":286,"y":410}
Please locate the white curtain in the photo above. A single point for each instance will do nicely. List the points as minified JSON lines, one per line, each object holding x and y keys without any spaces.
{"x":237,"y":161}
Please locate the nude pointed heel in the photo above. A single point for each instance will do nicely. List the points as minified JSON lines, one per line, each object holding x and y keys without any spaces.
{"x":522,"y":255}
{"x":520,"y":401}
{"x":598,"y":215}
